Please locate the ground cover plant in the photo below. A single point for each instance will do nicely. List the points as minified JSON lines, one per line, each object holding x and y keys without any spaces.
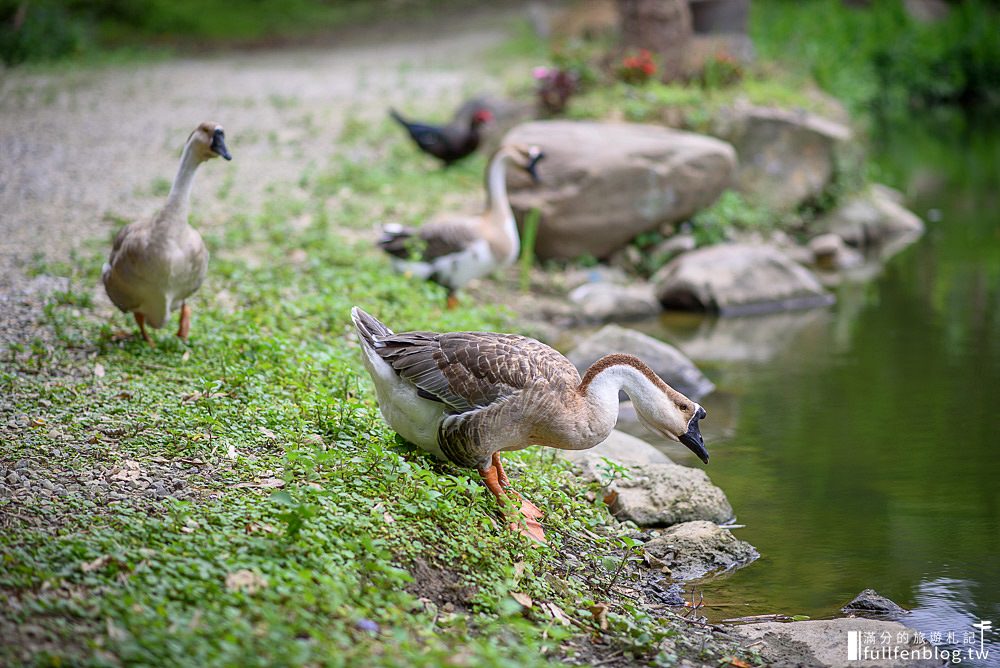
{"x":239,"y":501}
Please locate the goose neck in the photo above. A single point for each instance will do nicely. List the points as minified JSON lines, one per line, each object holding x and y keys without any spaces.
{"x":178,"y":201}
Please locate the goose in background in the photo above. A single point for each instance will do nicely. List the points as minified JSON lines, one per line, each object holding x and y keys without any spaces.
{"x":156,"y":265}
{"x":452,"y":251}
{"x":465,"y":397}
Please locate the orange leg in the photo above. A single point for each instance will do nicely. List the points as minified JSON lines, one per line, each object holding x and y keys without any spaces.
{"x":185,"y":325}
{"x":528,"y":509}
{"x":452,"y":301}
{"x":140,"y":320}
{"x":526,"y":525}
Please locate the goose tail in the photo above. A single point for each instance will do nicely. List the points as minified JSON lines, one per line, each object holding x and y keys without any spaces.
{"x":369,"y":328}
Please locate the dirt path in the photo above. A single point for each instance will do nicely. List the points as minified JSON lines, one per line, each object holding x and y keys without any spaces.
{"x":80,"y":150}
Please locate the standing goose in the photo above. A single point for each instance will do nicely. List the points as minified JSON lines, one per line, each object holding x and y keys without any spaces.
{"x":465,"y":397}
{"x":453,"y":251}
{"x":156,"y":265}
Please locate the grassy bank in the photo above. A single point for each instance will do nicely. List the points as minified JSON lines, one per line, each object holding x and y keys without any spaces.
{"x":239,"y":501}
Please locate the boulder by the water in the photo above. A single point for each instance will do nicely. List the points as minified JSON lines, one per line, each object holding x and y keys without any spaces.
{"x":666,"y":361}
{"x":738,"y":279}
{"x":825,"y":643}
{"x":870,"y":603}
{"x":830,"y":253}
{"x":620,"y":448}
{"x":872,"y":218}
{"x":666,"y":494}
{"x":695,"y":549}
{"x":602,"y":184}
{"x":786,"y":157}
{"x":600,"y":302}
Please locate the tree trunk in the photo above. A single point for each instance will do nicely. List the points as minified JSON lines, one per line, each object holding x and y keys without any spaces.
{"x":663,"y":27}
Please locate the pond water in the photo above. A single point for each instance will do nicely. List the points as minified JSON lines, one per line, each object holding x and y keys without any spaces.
{"x":860,"y":445}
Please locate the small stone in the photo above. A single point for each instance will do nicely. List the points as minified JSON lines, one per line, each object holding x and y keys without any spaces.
{"x":22,"y":464}
{"x":13,"y":478}
{"x":47,"y":484}
{"x":366,"y":625}
{"x":159,"y":491}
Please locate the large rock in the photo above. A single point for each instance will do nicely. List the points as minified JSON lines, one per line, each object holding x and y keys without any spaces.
{"x":870,"y":603}
{"x":738,"y":279}
{"x":666,"y":361}
{"x":600,"y":302}
{"x":695,"y":549}
{"x":785,"y":157}
{"x":825,"y":643}
{"x":666,"y":494}
{"x":602,"y":184}
{"x":872,"y":218}
{"x":620,"y":448}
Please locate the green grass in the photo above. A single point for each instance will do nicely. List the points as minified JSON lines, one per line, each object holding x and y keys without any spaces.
{"x":313,"y":535}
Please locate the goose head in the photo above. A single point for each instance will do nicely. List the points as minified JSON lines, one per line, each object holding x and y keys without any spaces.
{"x":527,"y":158}
{"x":209,"y":141}
{"x":676,"y":418}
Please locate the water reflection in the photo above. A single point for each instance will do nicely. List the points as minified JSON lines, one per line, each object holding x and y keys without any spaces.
{"x":859,"y":443}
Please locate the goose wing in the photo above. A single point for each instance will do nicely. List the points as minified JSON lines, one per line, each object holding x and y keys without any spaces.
{"x":473,"y":370}
{"x":431,"y":241}
{"x":122,"y":276}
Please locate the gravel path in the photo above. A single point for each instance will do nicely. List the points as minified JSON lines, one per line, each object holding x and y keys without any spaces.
{"x":82,"y":150}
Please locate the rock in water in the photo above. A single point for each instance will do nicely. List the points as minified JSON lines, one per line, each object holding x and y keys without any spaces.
{"x":871,"y":603}
{"x":737,"y":279}
{"x":825,"y":643}
{"x":666,"y":494}
{"x":603,"y":184}
{"x":871,"y":218}
{"x":695,"y":549}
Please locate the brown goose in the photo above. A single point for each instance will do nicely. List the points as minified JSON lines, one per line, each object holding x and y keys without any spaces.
{"x":465,"y":397}
{"x":452,"y":251}
{"x":156,"y":265}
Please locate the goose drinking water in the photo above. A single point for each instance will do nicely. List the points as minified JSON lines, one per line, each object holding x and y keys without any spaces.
{"x":465,"y":397}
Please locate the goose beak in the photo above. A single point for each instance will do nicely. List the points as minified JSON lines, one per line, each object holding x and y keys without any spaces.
{"x":532,"y":163}
{"x":693,"y":439}
{"x":219,"y":144}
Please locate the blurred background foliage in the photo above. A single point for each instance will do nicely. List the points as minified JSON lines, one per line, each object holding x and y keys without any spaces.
{"x":875,"y":54}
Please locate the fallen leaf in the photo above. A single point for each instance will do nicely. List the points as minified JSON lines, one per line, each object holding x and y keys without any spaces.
{"x":245,"y":580}
{"x":739,"y":663}
{"x":37,"y":422}
{"x":610,"y":498}
{"x":389,"y":519}
{"x":267,"y":432}
{"x":231,"y":451}
{"x":523,"y":599}
{"x":262,"y":483}
{"x":518,"y":570}
{"x":186,"y":356}
{"x":99,"y":370}
{"x":193,"y":396}
{"x":557,"y":613}
{"x":96,"y":564}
